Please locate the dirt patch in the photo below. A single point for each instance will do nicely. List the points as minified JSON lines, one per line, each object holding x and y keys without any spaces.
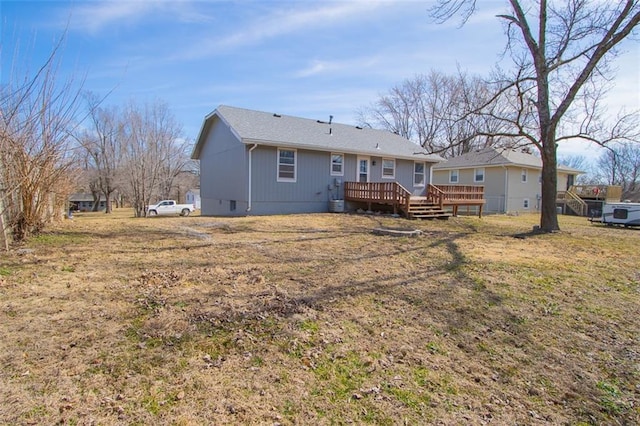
{"x":313,"y":319}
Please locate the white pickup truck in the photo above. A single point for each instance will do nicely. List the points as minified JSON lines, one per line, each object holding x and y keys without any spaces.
{"x":165,"y":207}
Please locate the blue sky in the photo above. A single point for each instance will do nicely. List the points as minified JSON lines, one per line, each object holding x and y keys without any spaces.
{"x":304,"y":58}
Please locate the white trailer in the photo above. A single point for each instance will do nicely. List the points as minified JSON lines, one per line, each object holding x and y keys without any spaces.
{"x":626,"y":214}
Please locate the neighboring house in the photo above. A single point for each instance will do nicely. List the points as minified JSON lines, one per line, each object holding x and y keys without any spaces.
{"x":193,"y":197}
{"x":511,"y":179}
{"x":260,"y":163}
{"x":84,"y":202}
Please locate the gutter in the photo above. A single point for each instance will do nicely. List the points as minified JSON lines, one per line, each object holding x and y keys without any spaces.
{"x":255,"y":145}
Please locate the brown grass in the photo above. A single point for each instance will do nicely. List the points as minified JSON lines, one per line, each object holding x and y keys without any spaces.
{"x":313,"y":319}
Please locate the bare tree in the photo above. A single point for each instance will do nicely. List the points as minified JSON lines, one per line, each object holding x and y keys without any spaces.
{"x":103,"y":145}
{"x":578,"y":162}
{"x":152,"y":154}
{"x":432,"y":110}
{"x":620,"y":165}
{"x":88,"y":178}
{"x":37,"y":114}
{"x":562,"y":52}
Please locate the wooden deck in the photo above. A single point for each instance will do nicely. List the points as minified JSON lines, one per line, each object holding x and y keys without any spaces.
{"x":455,"y":196}
{"x":434,"y":204}
{"x":609,"y":193}
{"x":579,"y":199}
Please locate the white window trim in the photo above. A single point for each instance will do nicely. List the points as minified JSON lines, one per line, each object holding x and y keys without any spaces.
{"x":393,"y":176}
{"x":475,"y":174}
{"x":457,"y":176}
{"x":341,"y":172}
{"x":526,"y":204}
{"x":295,"y":166}
{"x":424,"y":173}
{"x":524,"y":176}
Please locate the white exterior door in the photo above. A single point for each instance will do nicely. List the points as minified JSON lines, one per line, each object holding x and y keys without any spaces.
{"x":363,"y":169}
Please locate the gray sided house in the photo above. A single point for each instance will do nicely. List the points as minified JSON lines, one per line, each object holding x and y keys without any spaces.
{"x":259,"y":163}
{"x":511,"y":179}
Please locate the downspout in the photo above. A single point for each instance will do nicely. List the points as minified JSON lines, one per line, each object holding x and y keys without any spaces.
{"x":506,"y":187}
{"x":255,"y":145}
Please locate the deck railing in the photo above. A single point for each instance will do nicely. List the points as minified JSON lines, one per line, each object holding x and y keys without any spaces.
{"x":455,"y":196}
{"x":597,"y":192}
{"x":394,"y":194}
{"x":435,"y":195}
{"x":575,"y":203}
{"x":460,"y":193}
{"x":391,"y":193}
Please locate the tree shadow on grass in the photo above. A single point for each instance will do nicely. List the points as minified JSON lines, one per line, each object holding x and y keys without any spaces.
{"x":428,"y":291}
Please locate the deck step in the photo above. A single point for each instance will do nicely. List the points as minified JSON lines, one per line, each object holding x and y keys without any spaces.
{"x":421,"y":209}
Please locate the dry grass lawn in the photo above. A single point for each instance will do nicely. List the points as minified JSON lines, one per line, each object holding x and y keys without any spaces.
{"x":313,"y":319}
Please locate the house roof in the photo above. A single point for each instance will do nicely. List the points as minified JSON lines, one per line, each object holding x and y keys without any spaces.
{"x":491,"y":156}
{"x":82,"y":196}
{"x":265,"y":128}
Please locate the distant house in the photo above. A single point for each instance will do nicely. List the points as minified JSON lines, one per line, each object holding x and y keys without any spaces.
{"x":511,"y":179}
{"x":193,"y":197}
{"x":84,"y":202}
{"x":259,"y":163}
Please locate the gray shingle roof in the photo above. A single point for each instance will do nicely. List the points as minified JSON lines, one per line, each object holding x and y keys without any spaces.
{"x":295,"y":132}
{"x":490,"y":156}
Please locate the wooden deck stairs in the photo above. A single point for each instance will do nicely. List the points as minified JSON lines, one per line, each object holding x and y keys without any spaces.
{"x":421,"y":208}
{"x":573,"y":202}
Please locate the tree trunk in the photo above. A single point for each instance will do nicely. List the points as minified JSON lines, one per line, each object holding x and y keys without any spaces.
{"x":108,"y":208}
{"x":96,"y":200}
{"x":549,"y":214}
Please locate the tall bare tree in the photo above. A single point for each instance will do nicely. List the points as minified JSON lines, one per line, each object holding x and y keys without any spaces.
{"x":154,"y":153}
{"x":562,"y":54}
{"x":103,"y":144}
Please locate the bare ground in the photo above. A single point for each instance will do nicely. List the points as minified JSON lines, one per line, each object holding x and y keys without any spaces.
{"x":314,"y":319}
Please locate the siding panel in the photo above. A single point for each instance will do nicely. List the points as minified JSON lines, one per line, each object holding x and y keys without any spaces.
{"x":311,"y":192}
{"x":223,"y":155}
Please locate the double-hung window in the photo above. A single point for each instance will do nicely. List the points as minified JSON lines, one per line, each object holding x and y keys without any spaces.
{"x":286,"y":165}
{"x":418,"y":174}
{"x":478,"y":175}
{"x":454,"y":176}
{"x":388,"y":168}
{"x":523,"y":176}
{"x":337,"y":165}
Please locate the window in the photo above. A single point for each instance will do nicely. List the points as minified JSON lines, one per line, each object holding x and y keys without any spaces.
{"x":620,"y":213}
{"x":478,"y":175}
{"x":388,"y":168}
{"x":286,"y":165}
{"x":418,"y":174}
{"x":453,"y":176}
{"x":524,"y":176}
{"x":337,"y":165}
{"x":525,"y":203}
